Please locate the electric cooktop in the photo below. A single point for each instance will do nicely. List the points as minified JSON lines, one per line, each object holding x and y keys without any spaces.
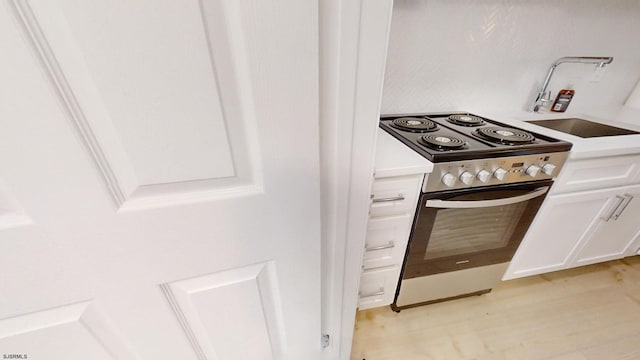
{"x":442,"y":137}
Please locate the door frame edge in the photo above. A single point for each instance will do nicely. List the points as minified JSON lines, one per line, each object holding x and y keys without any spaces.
{"x":353,"y":51}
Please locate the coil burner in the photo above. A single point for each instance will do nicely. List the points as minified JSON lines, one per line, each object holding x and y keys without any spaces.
{"x":441,"y":142}
{"x":414,"y":124}
{"x":505,"y":136}
{"x":465,"y":120}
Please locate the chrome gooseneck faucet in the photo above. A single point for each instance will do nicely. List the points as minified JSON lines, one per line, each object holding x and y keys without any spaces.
{"x":543,"y":96}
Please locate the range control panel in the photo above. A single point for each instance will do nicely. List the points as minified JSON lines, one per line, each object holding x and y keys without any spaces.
{"x":493,"y":171}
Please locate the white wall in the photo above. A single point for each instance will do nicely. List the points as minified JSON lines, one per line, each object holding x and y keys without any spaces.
{"x":493,"y":55}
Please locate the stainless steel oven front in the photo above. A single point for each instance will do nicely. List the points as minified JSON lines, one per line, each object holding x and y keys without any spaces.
{"x":462,"y":240}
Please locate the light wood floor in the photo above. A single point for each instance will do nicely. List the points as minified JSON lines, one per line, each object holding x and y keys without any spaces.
{"x":591,"y":312}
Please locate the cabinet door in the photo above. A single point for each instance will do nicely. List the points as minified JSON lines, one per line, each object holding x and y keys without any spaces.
{"x":560,"y":225}
{"x":616,"y":231}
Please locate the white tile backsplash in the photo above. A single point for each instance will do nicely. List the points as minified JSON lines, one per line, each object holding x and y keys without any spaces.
{"x":493,"y":55}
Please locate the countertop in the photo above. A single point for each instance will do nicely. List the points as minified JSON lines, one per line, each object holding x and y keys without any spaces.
{"x":583,"y":148}
{"x":394,"y":158}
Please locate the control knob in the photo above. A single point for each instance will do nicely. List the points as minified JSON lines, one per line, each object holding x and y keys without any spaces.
{"x":483,"y":175}
{"x":533,"y":170}
{"x":449,"y":179}
{"x":500,"y":173}
{"x":548,"y":169}
{"x":466,"y":178}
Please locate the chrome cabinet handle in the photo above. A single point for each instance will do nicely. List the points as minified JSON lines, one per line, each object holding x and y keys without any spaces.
{"x":381,"y":247}
{"x":378,"y":293}
{"x":623,"y":205}
{"x":613,"y":211}
{"x":400,"y":197}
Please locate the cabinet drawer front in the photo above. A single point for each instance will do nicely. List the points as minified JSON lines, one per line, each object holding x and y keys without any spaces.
{"x":386,"y":240}
{"x":598,"y":173}
{"x":378,"y":287}
{"x":397,"y":195}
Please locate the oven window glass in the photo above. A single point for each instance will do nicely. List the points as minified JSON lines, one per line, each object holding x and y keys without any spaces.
{"x":463,"y":231}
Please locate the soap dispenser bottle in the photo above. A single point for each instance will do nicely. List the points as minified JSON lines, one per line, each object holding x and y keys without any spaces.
{"x":562,"y":100}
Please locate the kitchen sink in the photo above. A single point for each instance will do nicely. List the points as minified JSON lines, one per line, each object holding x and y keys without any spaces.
{"x":583,"y":128}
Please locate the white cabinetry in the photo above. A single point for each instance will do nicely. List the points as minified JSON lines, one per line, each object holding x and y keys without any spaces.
{"x":385,"y":238}
{"x":395,"y":192}
{"x":393,"y":206}
{"x":616,"y":230}
{"x":599,"y":173}
{"x":589,"y":217}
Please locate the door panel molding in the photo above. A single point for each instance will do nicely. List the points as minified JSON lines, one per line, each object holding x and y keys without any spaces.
{"x":154,"y":172}
{"x":53,"y":333}
{"x":219,"y":311}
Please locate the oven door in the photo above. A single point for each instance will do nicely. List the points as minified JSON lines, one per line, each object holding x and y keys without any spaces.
{"x":472,"y":227}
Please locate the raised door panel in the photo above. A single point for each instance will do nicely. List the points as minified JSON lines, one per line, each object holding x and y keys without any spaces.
{"x":164,"y":103}
{"x":613,"y":238}
{"x":234,"y":314}
{"x":75,"y":331}
{"x":556,"y":231}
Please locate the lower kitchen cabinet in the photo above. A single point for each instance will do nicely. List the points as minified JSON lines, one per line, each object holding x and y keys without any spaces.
{"x":378,"y":286}
{"x":579,"y":229}
{"x":617,"y":230}
{"x":399,"y":172}
{"x":393,"y":204}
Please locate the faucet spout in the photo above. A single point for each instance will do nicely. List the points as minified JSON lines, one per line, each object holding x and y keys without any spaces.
{"x":542,"y":95}
{"x":601,"y":60}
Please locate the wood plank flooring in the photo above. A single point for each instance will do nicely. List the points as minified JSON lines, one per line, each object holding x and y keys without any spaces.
{"x":587,"y":313}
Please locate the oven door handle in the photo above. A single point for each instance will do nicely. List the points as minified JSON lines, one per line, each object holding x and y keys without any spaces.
{"x":486,"y":203}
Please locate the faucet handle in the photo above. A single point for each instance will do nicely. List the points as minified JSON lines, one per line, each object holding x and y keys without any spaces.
{"x":545,"y":96}
{"x":542,"y":98}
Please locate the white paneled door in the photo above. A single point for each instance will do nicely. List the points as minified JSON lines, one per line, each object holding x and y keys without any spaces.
{"x":159,"y":179}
